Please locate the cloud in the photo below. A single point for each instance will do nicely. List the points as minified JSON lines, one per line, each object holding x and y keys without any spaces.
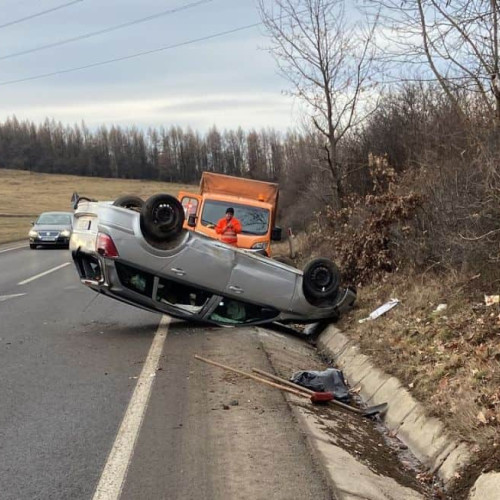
{"x":227,"y":81}
{"x":226,"y":111}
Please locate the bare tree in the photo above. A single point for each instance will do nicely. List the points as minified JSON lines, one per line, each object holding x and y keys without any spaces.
{"x":327,"y":55}
{"x":452,"y":42}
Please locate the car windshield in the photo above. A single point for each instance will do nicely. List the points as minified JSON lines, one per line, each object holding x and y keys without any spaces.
{"x":254,"y":220}
{"x":54,"y":219}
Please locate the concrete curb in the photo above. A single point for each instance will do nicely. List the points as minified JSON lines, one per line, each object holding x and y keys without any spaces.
{"x":487,"y":487}
{"x":18,"y":215}
{"x":347,"y":475}
{"x":425,"y":436}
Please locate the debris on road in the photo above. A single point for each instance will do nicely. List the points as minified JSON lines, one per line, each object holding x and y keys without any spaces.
{"x":381,"y":310}
{"x":285,"y":385}
{"x":489,"y":300}
{"x":329,"y":380}
{"x":441,"y":307}
{"x":328,"y":397}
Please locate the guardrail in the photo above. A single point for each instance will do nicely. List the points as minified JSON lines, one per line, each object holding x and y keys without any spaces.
{"x":19,"y":215}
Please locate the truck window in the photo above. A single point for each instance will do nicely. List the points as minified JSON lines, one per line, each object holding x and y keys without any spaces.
{"x":190,"y":206}
{"x":254,"y":220}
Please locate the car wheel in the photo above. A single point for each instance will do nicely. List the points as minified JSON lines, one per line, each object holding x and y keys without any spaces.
{"x":33,"y":247}
{"x":162,"y":217}
{"x":129,"y":201}
{"x":321,"y":280}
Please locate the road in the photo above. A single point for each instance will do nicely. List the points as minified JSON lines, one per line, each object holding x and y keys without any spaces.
{"x":70,"y":361}
{"x":102,"y":401}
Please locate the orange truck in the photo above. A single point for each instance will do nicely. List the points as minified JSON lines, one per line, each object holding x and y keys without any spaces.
{"x":255,"y":204}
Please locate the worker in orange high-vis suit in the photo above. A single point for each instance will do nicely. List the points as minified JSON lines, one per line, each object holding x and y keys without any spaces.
{"x":228,"y":227}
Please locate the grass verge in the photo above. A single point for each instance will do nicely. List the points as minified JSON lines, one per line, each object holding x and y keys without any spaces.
{"x":448,"y":357}
{"x":24,"y":195}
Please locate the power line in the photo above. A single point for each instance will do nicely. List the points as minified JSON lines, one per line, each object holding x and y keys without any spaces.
{"x":38,"y":14}
{"x":132,"y":56}
{"x":106,"y":30}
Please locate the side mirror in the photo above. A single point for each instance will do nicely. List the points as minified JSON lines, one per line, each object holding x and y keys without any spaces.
{"x":276,"y":234}
{"x":75,"y":198}
{"x":192,"y":220}
{"x":32,"y":222}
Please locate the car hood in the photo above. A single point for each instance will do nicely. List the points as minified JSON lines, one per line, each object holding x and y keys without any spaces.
{"x":51,"y":227}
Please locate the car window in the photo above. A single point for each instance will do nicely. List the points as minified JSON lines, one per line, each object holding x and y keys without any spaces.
{"x":54,"y":219}
{"x":235,"y":312}
{"x":185,"y":297}
{"x":134,"y":279}
{"x":254,"y":220}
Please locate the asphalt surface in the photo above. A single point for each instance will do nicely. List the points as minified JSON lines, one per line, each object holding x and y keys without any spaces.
{"x":66,"y":358}
{"x":70,"y":361}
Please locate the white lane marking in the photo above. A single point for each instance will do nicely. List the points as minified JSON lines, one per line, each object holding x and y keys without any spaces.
{"x":7,"y":297}
{"x":13,"y":248}
{"x":115,"y":471}
{"x":44,"y":273}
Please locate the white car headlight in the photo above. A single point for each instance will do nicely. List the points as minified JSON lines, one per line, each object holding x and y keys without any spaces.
{"x":262,"y":245}
{"x":65,"y":233}
{"x":33,"y":233}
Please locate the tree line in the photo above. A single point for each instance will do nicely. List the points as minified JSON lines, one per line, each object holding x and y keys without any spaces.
{"x":166,"y":154}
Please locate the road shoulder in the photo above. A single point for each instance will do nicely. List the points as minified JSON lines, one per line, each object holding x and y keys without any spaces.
{"x":425,"y":436}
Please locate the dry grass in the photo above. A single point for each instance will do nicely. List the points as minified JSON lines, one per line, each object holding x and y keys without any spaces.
{"x":298,"y":243}
{"x":28,"y":193}
{"x":449,"y":360}
{"x":14,"y":228}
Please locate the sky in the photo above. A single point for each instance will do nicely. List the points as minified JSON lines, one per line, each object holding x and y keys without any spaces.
{"x":176,"y":68}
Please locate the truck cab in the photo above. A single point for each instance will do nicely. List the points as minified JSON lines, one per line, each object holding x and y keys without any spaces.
{"x":254,"y":203}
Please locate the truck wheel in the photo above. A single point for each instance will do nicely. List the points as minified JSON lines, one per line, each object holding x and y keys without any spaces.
{"x":162,"y":217}
{"x":129,"y":201}
{"x":321,"y":280}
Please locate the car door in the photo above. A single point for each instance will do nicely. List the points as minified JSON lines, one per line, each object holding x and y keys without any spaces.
{"x":262,"y":280}
{"x":203,"y":262}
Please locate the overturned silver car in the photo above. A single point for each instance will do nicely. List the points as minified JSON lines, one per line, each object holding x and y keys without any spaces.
{"x":138,"y":252}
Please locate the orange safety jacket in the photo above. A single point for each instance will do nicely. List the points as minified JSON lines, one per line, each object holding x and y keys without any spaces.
{"x":228,"y":230}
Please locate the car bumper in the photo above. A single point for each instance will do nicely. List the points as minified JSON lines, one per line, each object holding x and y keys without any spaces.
{"x":56,"y":242}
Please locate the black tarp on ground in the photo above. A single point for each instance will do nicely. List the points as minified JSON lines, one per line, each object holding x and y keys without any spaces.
{"x":329,"y":380}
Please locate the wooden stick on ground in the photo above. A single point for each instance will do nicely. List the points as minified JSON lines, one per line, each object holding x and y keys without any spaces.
{"x":253,"y":377}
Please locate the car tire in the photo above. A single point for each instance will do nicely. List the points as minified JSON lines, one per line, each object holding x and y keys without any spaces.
{"x":321,"y":280}
{"x":129,"y":201}
{"x":33,"y":247}
{"x":162,"y":218}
